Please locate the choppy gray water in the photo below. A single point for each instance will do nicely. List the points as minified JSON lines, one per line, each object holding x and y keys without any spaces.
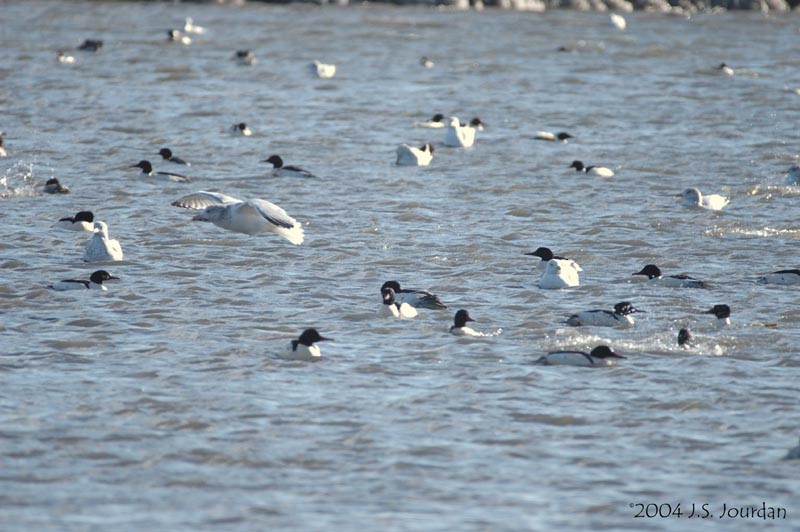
{"x":161,"y":404}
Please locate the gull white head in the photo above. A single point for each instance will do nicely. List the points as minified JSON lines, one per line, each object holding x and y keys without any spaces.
{"x":101,"y":227}
{"x":691,"y":196}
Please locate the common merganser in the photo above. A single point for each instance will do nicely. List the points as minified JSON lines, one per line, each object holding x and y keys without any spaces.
{"x":100,"y":248}
{"x":547,"y":255}
{"x":244,"y":58}
{"x":600,"y":171}
{"x":82,"y":221}
{"x":436,"y":122}
{"x":91,"y":45}
{"x":723,"y":314}
{"x":618,"y":21}
{"x":725,"y":69}
{"x":190,"y":27}
{"x":395,"y":309}
{"x":477,"y":123}
{"x":240,"y":129}
{"x":676,"y":281}
{"x":601,"y":355}
{"x":147,"y":171}
{"x":411,"y":156}
{"x":61,"y":57}
{"x":619,"y":317}
{"x":553,"y":137}
{"x":53,"y":186}
{"x":305,"y":348}
{"x":459,"y":136}
{"x":559,"y":274}
{"x":415,"y":298}
{"x":684,"y":338}
{"x":95,"y":282}
{"x":177,"y":36}
{"x":784,"y":277}
{"x":322,"y":70}
{"x":426,"y":62}
{"x":793,"y":175}
{"x":692,"y":197}
{"x":279,"y":170}
{"x":250,"y":217}
{"x":167,"y":155}
{"x":459,"y":327}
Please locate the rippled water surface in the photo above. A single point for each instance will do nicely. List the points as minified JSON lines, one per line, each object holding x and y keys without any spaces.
{"x":161,"y":404}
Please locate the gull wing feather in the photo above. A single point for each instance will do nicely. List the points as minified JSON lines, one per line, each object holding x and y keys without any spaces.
{"x":272,"y":213}
{"x":203,"y":199}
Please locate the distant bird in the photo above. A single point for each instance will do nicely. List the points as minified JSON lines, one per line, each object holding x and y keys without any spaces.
{"x":547,"y":255}
{"x":82,"y":221}
{"x":250,"y":217}
{"x":240,"y":129}
{"x":411,"y":156}
{"x":692,"y":197}
{"x":435,"y":122}
{"x":725,"y":69}
{"x":244,"y":57}
{"x":279,"y":170}
{"x":394,"y":309}
{"x":618,"y":21}
{"x":426,"y":62}
{"x":305,"y":348}
{"x":147,"y":171}
{"x":167,"y":155}
{"x":100,"y":248}
{"x":415,"y":298}
{"x":61,"y":57}
{"x":619,"y":317}
{"x":477,"y":123}
{"x":553,"y":137}
{"x":177,"y":36}
{"x":653,"y":273}
{"x":684,"y":338}
{"x":459,"y":136}
{"x":559,"y":274}
{"x":600,"y":171}
{"x":190,"y":27}
{"x":601,"y":355}
{"x":723,"y":314}
{"x":793,"y":175}
{"x":322,"y":70}
{"x":91,"y":45}
{"x":784,"y":277}
{"x":95,"y":282}
{"x":53,"y":186}
{"x":3,"y":152}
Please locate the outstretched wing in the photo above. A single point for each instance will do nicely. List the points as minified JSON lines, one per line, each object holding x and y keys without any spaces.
{"x":203,"y":199}
{"x":272,"y":213}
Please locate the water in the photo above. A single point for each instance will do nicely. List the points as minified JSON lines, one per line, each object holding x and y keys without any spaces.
{"x":161,"y":404}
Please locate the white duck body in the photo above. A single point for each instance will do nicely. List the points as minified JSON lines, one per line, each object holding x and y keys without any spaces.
{"x":619,"y":317}
{"x":82,"y":221}
{"x":411,"y":156}
{"x":393,"y":309}
{"x":250,"y":217}
{"x":783,"y":277}
{"x":559,"y":274}
{"x":100,"y":248}
{"x":458,"y":136}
